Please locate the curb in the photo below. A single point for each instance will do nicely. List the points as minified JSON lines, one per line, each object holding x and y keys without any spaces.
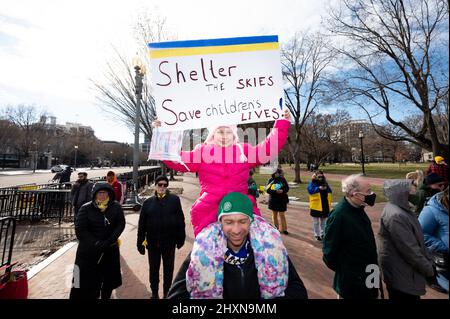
{"x":43,"y":264}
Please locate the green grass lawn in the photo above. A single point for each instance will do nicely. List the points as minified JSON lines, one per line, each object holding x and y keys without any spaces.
{"x":380,"y":170}
{"x":301,"y":192}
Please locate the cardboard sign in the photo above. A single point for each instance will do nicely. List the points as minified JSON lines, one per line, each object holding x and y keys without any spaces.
{"x":166,"y":145}
{"x":202,"y":83}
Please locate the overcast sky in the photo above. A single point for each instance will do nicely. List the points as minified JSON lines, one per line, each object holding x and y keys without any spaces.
{"x":49,"y":49}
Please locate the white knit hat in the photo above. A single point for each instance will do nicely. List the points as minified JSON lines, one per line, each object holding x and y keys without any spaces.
{"x":210,"y":139}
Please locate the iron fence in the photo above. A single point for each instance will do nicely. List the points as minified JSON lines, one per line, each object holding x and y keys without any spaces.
{"x":45,"y":201}
{"x":7,"y":232}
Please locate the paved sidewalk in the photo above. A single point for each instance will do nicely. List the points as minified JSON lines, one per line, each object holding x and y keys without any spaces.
{"x":305,"y":252}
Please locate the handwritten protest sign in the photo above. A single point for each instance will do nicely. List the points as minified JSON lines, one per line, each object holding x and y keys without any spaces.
{"x":202,"y":83}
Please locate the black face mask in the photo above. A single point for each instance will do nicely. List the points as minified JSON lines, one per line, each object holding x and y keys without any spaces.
{"x":370,"y":199}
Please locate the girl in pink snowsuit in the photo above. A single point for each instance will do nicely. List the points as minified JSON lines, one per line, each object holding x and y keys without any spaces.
{"x":223,"y":166}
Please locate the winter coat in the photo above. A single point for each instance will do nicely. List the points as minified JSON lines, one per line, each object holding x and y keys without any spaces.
{"x":117,"y":188}
{"x":439,"y":169}
{"x":348,"y":248}
{"x":421,"y":196}
{"x":161,"y":222}
{"x":278,"y":202}
{"x":98,"y":257}
{"x":64,"y":176}
{"x":218,"y":176}
{"x":319,"y":200}
{"x":267,"y":272}
{"x":434,"y":222}
{"x":81,"y":193}
{"x":403,"y":257}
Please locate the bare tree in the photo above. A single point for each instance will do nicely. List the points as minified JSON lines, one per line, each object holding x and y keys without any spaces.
{"x":305,"y":59}
{"x":29,"y":121}
{"x":397,"y":64}
{"x":319,"y":136}
{"x":116,"y":93}
{"x":8,"y":135}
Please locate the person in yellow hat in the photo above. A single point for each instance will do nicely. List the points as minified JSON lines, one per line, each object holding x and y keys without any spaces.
{"x":438,"y":166}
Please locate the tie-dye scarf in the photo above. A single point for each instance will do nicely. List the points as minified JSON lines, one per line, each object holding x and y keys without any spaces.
{"x":204,"y":277}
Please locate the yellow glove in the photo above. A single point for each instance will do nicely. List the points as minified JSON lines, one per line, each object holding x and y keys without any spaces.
{"x":119,"y":242}
{"x":144,"y":243}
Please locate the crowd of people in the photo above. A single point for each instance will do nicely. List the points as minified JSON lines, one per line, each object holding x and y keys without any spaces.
{"x":236,"y":253}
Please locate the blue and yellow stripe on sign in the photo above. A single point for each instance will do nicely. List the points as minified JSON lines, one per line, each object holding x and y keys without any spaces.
{"x":212,"y":46}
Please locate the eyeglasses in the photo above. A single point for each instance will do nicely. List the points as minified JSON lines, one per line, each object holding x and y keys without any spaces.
{"x":162,"y":184}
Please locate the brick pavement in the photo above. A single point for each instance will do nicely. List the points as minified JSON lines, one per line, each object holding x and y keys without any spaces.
{"x":304,"y":250}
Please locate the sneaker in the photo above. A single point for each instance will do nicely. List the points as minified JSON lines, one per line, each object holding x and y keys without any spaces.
{"x":285,"y":232}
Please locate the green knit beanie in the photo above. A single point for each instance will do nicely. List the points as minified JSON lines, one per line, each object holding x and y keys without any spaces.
{"x":235,"y":203}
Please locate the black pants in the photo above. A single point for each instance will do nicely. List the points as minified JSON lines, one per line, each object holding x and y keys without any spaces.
{"x":167,"y":253}
{"x":395,"y":294}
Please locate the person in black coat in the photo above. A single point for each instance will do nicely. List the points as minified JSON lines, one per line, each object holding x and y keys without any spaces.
{"x":81,"y":192}
{"x":277,"y":187}
{"x":161,"y":229}
{"x":98,"y":226}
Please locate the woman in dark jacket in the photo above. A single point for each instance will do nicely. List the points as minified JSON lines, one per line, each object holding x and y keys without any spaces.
{"x":97,"y":264}
{"x":277,"y":187}
{"x":161,"y":229}
{"x":319,"y":203}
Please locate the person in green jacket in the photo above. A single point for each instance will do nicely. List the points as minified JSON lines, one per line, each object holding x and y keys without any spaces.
{"x":431,"y":185}
{"x":349,"y":247}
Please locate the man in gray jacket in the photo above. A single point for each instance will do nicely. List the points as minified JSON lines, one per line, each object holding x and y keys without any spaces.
{"x":404,"y":260}
{"x":81,"y":192}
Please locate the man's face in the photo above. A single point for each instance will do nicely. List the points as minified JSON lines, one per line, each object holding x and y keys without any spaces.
{"x":223,"y":136}
{"x":161,"y":186}
{"x":101,"y":195}
{"x":81,"y":177}
{"x":236,"y":228}
{"x":358,"y":197}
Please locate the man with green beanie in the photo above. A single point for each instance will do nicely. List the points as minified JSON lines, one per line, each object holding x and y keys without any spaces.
{"x":239,"y":256}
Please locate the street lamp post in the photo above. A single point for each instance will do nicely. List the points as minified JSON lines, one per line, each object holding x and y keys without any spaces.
{"x":361,"y":136}
{"x":132,"y":200}
{"x":76,"y":151}
{"x":140,"y":72}
{"x":34,"y":156}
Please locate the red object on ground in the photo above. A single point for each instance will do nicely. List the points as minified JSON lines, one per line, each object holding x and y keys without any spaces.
{"x":14,"y":285}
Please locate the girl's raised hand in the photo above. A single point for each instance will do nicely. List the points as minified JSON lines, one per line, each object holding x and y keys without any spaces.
{"x":156,"y":123}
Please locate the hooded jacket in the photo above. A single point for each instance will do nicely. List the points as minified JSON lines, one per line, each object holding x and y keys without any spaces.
{"x":220,"y":173}
{"x":98,"y":257}
{"x":434,"y":222}
{"x":402,"y":253}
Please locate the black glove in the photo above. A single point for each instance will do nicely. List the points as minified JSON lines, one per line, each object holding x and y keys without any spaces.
{"x":180,"y":245}
{"x":141,"y":249}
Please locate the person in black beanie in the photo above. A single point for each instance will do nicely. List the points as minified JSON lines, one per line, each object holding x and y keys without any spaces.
{"x":161,"y":229}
